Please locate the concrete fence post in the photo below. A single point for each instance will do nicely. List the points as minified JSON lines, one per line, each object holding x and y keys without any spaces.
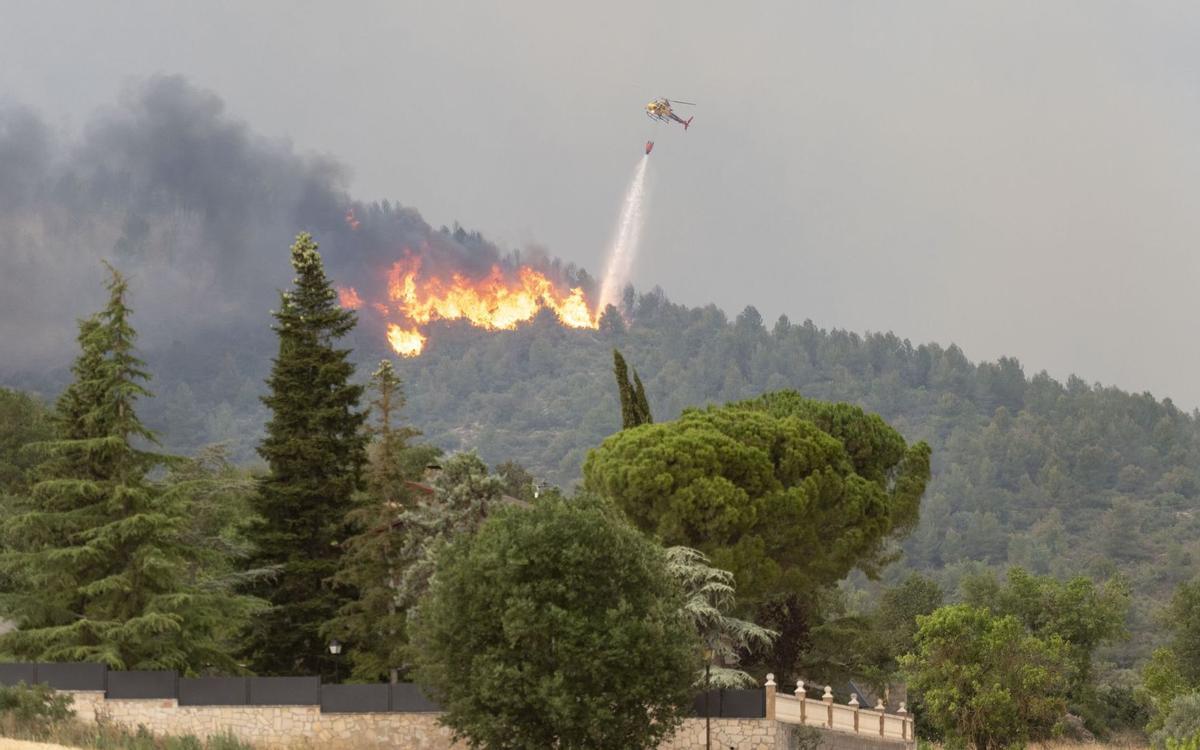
{"x":769,"y":694}
{"x":882,"y":709}
{"x":854,"y":704}
{"x":903,"y":722}
{"x":803,"y":698}
{"x":828,"y":698}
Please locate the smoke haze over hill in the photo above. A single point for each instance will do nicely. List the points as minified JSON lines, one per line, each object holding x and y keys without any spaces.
{"x":1011,"y":176}
{"x":196,"y":207}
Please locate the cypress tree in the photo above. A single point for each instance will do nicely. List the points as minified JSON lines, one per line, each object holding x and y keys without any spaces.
{"x":641,"y":405}
{"x":628,"y":408}
{"x":314,"y":450}
{"x":96,"y":553}
{"x":635,"y":410}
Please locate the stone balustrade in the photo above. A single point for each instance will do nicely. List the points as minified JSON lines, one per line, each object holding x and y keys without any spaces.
{"x":849,"y":718}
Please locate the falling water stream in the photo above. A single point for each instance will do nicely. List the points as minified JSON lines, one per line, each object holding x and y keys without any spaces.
{"x":625,"y":244}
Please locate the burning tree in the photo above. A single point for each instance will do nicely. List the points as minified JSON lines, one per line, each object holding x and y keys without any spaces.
{"x":498,"y":299}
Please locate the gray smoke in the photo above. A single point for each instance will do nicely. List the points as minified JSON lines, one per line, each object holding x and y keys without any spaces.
{"x":196,"y":208}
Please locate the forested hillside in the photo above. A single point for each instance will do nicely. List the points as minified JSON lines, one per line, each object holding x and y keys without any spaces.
{"x":1058,"y":478}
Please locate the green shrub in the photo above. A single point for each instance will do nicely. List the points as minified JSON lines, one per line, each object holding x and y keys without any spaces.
{"x":33,"y":710}
{"x":39,"y":713}
{"x":189,"y":742}
{"x":1182,"y":725}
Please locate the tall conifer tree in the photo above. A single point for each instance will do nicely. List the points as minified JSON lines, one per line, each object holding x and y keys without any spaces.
{"x":314,"y":449}
{"x":372,"y":623}
{"x":641,"y":405}
{"x":635,"y":409}
{"x":95,"y":555}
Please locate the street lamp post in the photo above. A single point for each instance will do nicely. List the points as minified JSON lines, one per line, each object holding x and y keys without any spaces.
{"x":335,"y":648}
{"x":708,"y":655}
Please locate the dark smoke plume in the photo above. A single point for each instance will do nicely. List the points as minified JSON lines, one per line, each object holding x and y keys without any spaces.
{"x":197,"y":209}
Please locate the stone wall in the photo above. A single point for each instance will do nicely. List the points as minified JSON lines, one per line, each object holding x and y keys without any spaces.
{"x":742,"y":734}
{"x":273,"y":727}
{"x":291,"y":727}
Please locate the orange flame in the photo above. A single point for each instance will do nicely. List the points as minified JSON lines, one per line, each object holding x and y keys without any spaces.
{"x":491,"y":302}
{"x":348,"y":298}
{"x":497,"y":301}
{"x":405,"y":343}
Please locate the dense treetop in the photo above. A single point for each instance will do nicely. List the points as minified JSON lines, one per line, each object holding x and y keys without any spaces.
{"x":786,"y":492}
{"x":569,"y":625}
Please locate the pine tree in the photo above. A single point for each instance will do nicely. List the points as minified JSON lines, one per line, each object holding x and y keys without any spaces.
{"x":635,"y":409}
{"x":371,"y":624}
{"x":96,"y":554}
{"x":314,"y":449}
{"x":392,"y":460}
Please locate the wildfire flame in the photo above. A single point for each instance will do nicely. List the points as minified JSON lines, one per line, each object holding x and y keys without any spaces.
{"x":497,"y":301}
{"x":348,"y":298}
{"x":405,"y":343}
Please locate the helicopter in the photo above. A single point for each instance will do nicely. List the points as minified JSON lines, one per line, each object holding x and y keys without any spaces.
{"x":661,"y":110}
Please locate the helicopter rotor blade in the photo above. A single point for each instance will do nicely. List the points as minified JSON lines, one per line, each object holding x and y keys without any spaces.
{"x":680,"y":101}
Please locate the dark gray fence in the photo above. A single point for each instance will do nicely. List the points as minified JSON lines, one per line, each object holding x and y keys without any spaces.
{"x":143,"y":685}
{"x":73,"y":676}
{"x":731,"y":704}
{"x":408,"y":697}
{"x":353,"y":699}
{"x":221,"y":691}
{"x":12,"y":674}
{"x":214,"y":691}
{"x":404,"y":697}
{"x":285,"y":691}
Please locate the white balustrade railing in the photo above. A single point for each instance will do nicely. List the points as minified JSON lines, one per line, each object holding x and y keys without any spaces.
{"x":826,"y":714}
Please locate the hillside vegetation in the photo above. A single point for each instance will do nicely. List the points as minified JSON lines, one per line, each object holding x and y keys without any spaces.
{"x":1059,"y":478}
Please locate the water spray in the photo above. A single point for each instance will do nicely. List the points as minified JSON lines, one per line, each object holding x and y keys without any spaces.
{"x":625,"y":245}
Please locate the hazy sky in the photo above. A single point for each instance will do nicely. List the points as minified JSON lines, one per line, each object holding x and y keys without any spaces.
{"x":1015,"y":177}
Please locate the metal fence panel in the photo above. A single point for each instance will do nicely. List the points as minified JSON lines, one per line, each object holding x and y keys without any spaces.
{"x":352,"y":699}
{"x":285,"y":691}
{"x":214,"y":691}
{"x":13,"y":674}
{"x":407,"y":697}
{"x":73,"y":676}
{"x":143,"y":684}
{"x":731,"y":704}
